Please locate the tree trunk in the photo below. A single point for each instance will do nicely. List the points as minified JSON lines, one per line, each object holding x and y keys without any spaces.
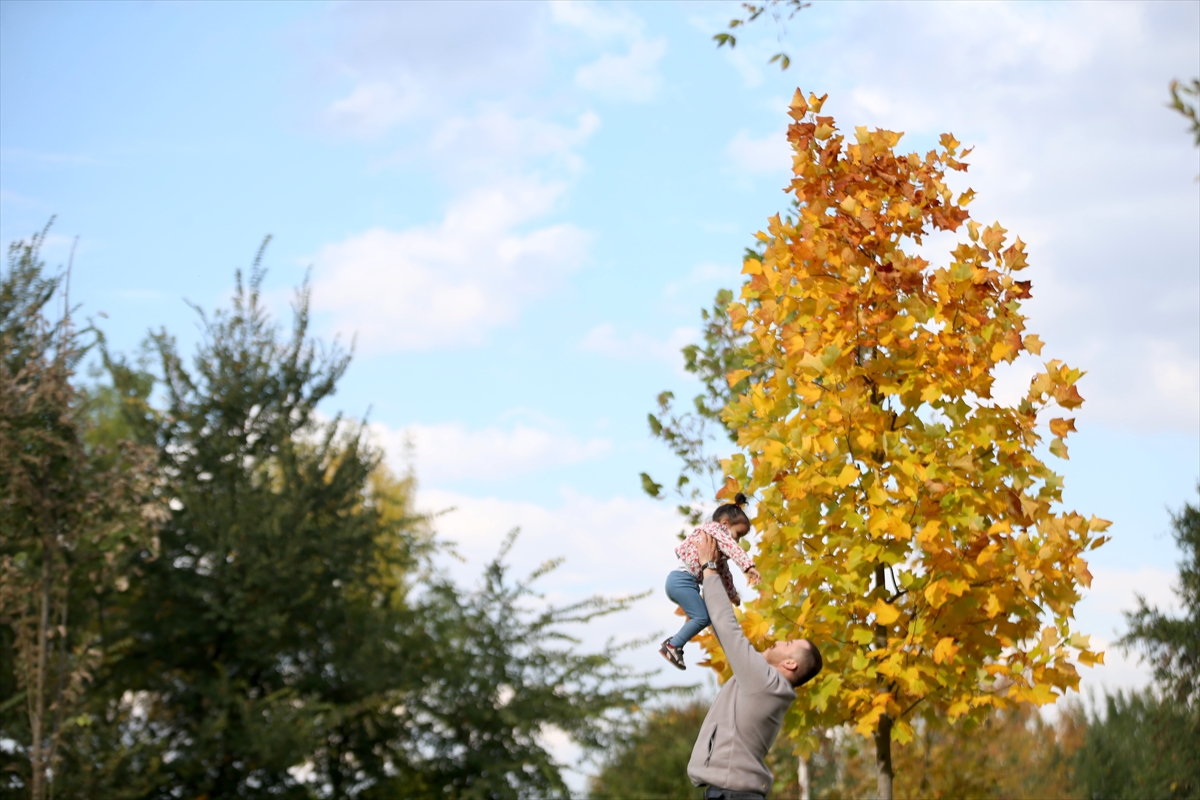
{"x":883,"y":758}
{"x":883,"y":734}
{"x":802,"y":778}
{"x":37,"y":717}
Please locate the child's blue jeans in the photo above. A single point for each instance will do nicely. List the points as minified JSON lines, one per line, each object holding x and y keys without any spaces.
{"x":683,"y":589}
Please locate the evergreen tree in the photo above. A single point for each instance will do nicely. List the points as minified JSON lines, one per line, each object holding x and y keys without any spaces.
{"x":1147,"y":743}
{"x":292,"y":639}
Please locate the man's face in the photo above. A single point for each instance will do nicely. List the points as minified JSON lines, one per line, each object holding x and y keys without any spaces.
{"x":780,"y":652}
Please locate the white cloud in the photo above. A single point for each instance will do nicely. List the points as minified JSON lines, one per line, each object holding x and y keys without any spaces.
{"x":600,"y":22}
{"x":451,"y":451}
{"x":769,"y":155}
{"x":630,"y":75}
{"x":1113,"y":590}
{"x":373,"y":108}
{"x":605,"y":340}
{"x":448,"y":284}
{"x":497,"y":141}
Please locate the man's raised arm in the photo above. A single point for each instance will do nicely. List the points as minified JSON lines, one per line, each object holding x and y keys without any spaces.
{"x":751,"y":669}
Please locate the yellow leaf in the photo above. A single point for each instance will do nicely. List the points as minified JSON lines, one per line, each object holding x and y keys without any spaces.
{"x":812,"y":361}
{"x":1041,"y":695}
{"x":847,"y":476}
{"x":1034,"y":344}
{"x":885,"y":613}
{"x":737,"y":376}
{"x":992,"y":606}
{"x":987,"y":554}
{"x":935,"y":593}
{"x":781,"y":582}
{"x":945,"y":650}
{"x":1000,"y":351}
{"x":1079,"y":568}
{"x":931,"y":392}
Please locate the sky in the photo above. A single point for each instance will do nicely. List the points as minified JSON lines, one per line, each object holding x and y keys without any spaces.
{"x":516,"y":211}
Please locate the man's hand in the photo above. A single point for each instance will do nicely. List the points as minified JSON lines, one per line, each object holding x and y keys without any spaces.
{"x":707,"y":549}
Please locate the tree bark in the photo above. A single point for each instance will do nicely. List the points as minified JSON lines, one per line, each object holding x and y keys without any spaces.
{"x":802,"y":778}
{"x":883,"y":758}
{"x":883,"y":734}
{"x":37,"y":756}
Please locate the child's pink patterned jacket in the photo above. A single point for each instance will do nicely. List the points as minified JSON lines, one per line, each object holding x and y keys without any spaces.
{"x":689,"y":556}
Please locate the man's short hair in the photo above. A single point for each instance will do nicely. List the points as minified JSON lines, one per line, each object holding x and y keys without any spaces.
{"x":810,"y":665}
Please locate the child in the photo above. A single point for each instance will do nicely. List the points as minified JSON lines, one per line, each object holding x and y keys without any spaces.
{"x":729,"y":523}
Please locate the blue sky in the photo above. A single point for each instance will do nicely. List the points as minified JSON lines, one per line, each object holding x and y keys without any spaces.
{"x":520,"y":209}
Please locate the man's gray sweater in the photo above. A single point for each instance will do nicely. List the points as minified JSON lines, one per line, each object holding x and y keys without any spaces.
{"x":744,"y":720}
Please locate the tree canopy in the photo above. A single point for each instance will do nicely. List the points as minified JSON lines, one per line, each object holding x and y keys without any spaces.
{"x":283,"y":630}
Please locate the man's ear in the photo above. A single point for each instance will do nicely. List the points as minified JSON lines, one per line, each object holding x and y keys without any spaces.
{"x":789,"y":664}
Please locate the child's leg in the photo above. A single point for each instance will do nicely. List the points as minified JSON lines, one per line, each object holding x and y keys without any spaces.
{"x":683,"y":589}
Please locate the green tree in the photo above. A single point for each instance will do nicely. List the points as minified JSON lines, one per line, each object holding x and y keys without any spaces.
{"x":1136,"y":746}
{"x":293,"y":639}
{"x":71,"y":513}
{"x":1172,"y":644}
{"x":652,"y":763}
{"x":1147,"y":743}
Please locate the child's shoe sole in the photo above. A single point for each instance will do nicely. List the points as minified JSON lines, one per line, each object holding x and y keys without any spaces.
{"x":673,"y":657}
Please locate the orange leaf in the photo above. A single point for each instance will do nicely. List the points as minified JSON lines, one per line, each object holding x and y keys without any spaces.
{"x":1061,"y":427}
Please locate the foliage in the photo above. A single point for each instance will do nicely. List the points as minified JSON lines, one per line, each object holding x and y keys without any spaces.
{"x":1143,"y":745}
{"x":1010,"y":753}
{"x":71,"y":512}
{"x":1172,"y":644}
{"x":293,"y":639}
{"x":776,"y":8}
{"x":652,"y":764}
{"x":1187,"y":109}
{"x":907,"y":525}
{"x":1147,"y":743}
{"x":498,"y":676}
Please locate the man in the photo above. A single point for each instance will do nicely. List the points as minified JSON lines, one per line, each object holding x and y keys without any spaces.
{"x":730,"y":754}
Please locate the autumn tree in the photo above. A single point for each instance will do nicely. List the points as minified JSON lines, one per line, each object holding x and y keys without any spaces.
{"x":71,"y":515}
{"x":908,"y":523}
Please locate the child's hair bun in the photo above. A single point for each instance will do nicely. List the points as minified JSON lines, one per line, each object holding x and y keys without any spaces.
{"x":739,"y":500}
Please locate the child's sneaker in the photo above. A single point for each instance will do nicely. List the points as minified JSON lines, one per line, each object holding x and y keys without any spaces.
{"x":673,"y":654}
